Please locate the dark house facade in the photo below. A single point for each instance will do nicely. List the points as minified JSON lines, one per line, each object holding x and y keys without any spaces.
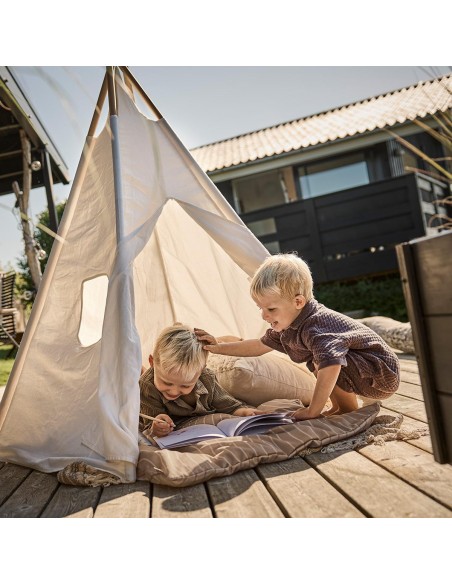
{"x":338,"y":187}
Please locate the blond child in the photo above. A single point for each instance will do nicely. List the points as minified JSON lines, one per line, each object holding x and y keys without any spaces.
{"x":178,"y":388}
{"x":347,"y":358}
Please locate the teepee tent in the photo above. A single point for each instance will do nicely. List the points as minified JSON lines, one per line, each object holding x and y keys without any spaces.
{"x":146,"y":240}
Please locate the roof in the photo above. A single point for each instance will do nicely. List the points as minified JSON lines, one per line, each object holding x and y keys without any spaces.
{"x":16,"y":112}
{"x":396,"y":107}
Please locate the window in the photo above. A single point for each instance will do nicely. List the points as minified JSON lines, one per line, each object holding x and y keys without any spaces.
{"x":94,"y":298}
{"x":321,"y":178}
{"x":264,"y":190}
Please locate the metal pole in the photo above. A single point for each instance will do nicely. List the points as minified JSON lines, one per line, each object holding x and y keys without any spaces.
{"x":115,"y":152}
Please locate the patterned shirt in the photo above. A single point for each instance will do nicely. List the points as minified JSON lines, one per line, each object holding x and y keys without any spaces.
{"x":210,"y":398}
{"x":326,"y":337}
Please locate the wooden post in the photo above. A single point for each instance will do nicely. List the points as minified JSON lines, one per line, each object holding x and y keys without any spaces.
{"x":23,"y":198}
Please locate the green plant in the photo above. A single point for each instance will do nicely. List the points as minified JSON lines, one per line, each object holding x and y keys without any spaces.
{"x":24,"y":284}
{"x":5,"y":365}
{"x":377,"y":296}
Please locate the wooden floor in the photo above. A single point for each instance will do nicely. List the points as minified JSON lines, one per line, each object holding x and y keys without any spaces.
{"x":399,"y":479}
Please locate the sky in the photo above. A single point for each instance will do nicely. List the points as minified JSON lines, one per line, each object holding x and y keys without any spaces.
{"x":203,"y":104}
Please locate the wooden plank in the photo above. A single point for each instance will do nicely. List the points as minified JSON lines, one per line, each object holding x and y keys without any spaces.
{"x":410,"y":390}
{"x":416,"y":467}
{"x":11,"y":476}
{"x":409,"y":366}
{"x":301,"y":492}
{"x":424,"y":442}
{"x":31,"y":497}
{"x":410,"y":377}
{"x":125,"y":500}
{"x":405,"y":405}
{"x":185,"y":502}
{"x":376,"y":491}
{"x":241,"y":495}
{"x":71,"y":501}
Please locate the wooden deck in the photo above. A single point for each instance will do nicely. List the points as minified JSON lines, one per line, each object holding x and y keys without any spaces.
{"x":399,"y":479}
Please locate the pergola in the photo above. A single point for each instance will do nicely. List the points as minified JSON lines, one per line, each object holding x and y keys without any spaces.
{"x":26,"y":150}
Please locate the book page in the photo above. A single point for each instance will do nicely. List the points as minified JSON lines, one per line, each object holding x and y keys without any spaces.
{"x":190,"y":435}
{"x":242,"y":425}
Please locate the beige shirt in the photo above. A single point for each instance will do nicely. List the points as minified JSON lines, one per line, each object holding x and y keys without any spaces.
{"x":208,"y":397}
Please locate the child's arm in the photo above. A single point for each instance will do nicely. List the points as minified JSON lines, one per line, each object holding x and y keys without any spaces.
{"x":326,"y":381}
{"x":247,"y":348}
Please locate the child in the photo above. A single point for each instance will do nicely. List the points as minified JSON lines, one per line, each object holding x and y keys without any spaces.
{"x":178,"y":388}
{"x":347,"y":358}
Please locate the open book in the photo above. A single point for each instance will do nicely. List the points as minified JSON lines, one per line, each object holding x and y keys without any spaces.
{"x":237,"y":426}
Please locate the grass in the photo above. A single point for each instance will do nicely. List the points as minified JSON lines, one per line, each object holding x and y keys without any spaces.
{"x":5,"y":365}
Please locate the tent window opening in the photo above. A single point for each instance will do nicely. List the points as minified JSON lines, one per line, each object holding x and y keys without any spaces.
{"x":94,"y":298}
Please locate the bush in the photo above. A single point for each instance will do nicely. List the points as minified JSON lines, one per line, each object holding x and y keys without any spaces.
{"x":377,"y":296}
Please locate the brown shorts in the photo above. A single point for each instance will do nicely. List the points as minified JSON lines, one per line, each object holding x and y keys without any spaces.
{"x":357,"y":378}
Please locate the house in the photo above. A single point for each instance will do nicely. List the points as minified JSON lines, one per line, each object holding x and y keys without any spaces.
{"x":337,"y":187}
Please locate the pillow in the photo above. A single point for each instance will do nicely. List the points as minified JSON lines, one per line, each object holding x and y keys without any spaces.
{"x":397,"y":334}
{"x":255,"y":380}
{"x":221,"y":457}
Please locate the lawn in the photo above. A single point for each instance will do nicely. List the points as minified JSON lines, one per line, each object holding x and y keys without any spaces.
{"x":5,"y":365}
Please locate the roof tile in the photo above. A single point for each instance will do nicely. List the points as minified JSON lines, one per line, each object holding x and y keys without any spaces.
{"x":408,"y":103}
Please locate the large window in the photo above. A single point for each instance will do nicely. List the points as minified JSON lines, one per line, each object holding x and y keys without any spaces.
{"x":264,"y":190}
{"x":337,"y":174}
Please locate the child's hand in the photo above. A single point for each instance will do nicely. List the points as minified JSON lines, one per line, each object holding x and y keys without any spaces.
{"x":246,"y":412}
{"x":163,"y":426}
{"x":303,"y":414}
{"x":209,"y":340}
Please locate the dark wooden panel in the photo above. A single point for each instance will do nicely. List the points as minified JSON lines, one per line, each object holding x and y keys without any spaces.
{"x":431,"y":351}
{"x":445,"y":402}
{"x":361,"y":264}
{"x":432,"y":259}
{"x":439,"y":333}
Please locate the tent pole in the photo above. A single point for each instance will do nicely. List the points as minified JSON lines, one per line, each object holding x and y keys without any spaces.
{"x":98,"y":108}
{"x":115,"y":152}
{"x":128,"y":75}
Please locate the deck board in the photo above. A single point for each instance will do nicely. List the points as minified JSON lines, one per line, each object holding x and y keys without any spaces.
{"x":398,"y":479}
{"x":301,"y":492}
{"x":242,"y":495}
{"x":373,"y":489}
{"x":189,"y":502}
{"x":31,"y":496}
{"x":74,"y":502}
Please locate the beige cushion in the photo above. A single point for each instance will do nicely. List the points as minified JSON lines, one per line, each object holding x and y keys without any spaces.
{"x":224,"y":456}
{"x":397,"y":334}
{"x":255,"y":380}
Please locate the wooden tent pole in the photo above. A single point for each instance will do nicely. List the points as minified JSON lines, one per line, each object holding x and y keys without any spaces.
{"x":98,"y":108}
{"x":128,"y":75}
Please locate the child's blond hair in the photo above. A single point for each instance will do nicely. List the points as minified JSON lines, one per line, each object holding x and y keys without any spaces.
{"x":178,"y":350}
{"x":284,"y":274}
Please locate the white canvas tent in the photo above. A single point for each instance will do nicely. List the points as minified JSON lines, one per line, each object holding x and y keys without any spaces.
{"x":146,"y":239}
